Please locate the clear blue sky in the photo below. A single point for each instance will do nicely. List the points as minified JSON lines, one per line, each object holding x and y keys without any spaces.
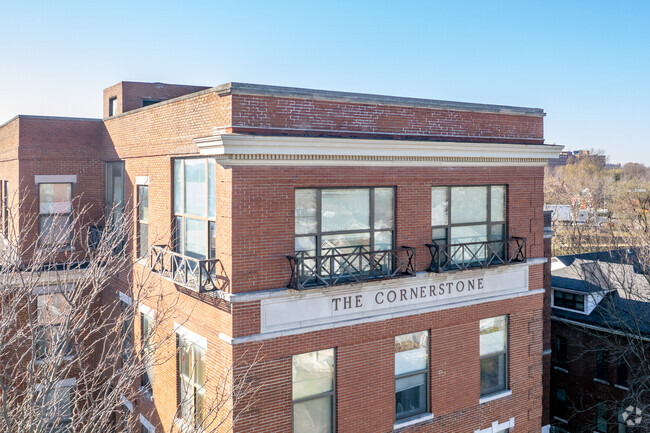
{"x":586,"y":63}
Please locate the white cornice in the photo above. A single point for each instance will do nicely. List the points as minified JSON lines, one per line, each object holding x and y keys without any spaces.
{"x":243,"y":149}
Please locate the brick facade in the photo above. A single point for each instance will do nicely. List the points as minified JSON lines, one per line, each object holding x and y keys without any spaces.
{"x":255,"y":231}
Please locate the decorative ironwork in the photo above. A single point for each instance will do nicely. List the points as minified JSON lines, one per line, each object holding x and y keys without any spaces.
{"x":349,"y":265}
{"x":200,"y":275}
{"x":477,"y":254}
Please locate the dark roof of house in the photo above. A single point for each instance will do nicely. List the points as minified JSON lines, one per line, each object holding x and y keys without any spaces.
{"x":617,"y":277}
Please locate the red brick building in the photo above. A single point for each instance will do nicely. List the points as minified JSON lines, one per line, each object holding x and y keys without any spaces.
{"x":379,"y":259}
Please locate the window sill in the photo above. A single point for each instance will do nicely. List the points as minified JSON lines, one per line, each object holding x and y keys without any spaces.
{"x":623,"y":387}
{"x":563,"y":370}
{"x":604,"y":382}
{"x":562,"y":420}
{"x":502,"y":394}
{"x":425,"y":417}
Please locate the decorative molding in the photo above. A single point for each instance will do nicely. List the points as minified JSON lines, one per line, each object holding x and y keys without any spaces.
{"x":125,"y":298}
{"x":127,"y":404}
{"x":142,"y":180}
{"x":192,"y":336}
{"x":145,"y":422}
{"x":55,"y":178}
{"x":497,"y":427}
{"x":147,"y":311}
{"x":244,"y":149}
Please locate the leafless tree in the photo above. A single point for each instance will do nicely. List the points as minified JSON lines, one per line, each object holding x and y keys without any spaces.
{"x":69,"y":352}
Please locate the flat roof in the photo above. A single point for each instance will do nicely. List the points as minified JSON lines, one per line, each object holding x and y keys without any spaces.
{"x":366,"y":98}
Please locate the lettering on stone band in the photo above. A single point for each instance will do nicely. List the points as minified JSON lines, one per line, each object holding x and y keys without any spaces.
{"x":395,"y":296}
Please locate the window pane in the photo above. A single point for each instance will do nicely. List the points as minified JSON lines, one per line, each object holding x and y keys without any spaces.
{"x":212,"y":188}
{"x":143,"y":206}
{"x":498,"y":232}
{"x":493,"y":374}
{"x":313,"y":416}
{"x":498,"y":203}
{"x":306,"y":243}
{"x":345,"y":209}
{"x":344,"y":243}
{"x":439,"y":207}
{"x":468,"y":234}
{"x":213,"y":234}
{"x":468,"y":204}
{"x":178,"y":235}
{"x":55,"y":198}
{"x":199,"y":366}
{"x":196,"y":238}
{"x":195,"y":187}
{"x":383,"y":241}
{"x":51,"y":307}
{"x":493,"y":337}
{"x":384,"y":208}
{"x":305,"y":205}
{"x":178,"y":185}
{"x":439,"y":236}
{"x":411,"y":352}
{"x":55,"y":229}
{"x":410,"y":396}
{"x":313,"y":373}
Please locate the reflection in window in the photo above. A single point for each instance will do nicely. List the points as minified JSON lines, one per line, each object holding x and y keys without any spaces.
{"x":347,"y":221}
{"x":313,"y":392}
{"x":572,"y":301}
{"x":52,"y":339}
{"x":411,"y":374}
{"x":55,"y":214}
{"x":146,"y":340}
{"x":195,"y":207}
{"x":191,"y":381}
{"x":494,"y":355}
{"x":468,"y":214}
{"x":56,"y":406}
{"x":143,"y":221}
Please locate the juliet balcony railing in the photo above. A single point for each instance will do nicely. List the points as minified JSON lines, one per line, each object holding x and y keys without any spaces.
{"x":199,"y":275}
{"x":482,"y":254}
{"x":349,"y":265}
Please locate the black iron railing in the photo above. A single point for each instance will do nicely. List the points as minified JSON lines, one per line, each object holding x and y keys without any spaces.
{"x":195,"y":274}
{"x":349,"y":265}
{"x":477,"y":254}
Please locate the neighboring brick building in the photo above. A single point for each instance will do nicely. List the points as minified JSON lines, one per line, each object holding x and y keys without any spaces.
{"x":349,"y":242}
{"x":600,"y":331}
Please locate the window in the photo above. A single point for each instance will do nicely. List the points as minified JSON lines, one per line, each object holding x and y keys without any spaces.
{"x":494,"y":355}
{"x":143,"y":220}
{"x":191,"y":381}
{"x":344,"y":221}
{"x":126,"y":313}
{"x":147,"y":102}
{"x":4,"y":210}
{"x":622,"y":371}
{"x":146,"y":324}
{"x":114,"y":194}
{"x":602,"y":365}
{"x":621,"y":420}
{"x":52,"y":339}
{"x":411,"y":374}
{"x":601,"y":417}
{"x":112,"y":106}
{"x":195,"y":207}
{"x":55,"y":214}
{"x":313,"y":392}
{"x":561,"y":355}
{"x":56,"y":405}
{"x":561,"y":409}
{"x":572,"y":301}
{"x":468,"y":214}
{"x":146,"y":426}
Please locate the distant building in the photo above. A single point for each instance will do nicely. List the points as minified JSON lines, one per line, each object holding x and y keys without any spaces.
{"x":575,"y":156}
